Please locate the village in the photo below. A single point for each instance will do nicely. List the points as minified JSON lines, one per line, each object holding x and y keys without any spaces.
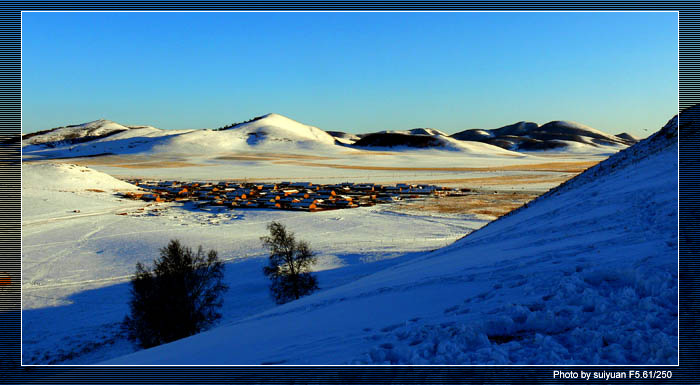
{"x":303,"y":196}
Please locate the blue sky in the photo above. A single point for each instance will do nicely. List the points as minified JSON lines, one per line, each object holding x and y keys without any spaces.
{"x":353,"y":72}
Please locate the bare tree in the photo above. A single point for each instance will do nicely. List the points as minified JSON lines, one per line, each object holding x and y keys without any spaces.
{"x":178,"y":298}
{"x":289,"y":267}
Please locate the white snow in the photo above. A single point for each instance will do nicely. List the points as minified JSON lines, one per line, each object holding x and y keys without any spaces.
{"x":580,"y":126}
{"x":68,"y":177}
{"x":270,"y":133}
{"x":578,"y":148}
{"x":416,"y":131}
{"x":276,"y":125}
{"x":76,"y":265}
{"x":94,"y":128}
{"x":587,"y":274}
{"x":475,"y":148}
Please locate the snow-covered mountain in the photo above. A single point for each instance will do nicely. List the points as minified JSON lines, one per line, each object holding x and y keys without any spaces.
{"x":528,"y":136}
{"x":586,"y":274}
{"x":99,"y":137}
{"x":274,"y":132}
{"x":396,"y":140}
{"x":344,"y":137}
{"x":415,"y":131}
{"x":74,"y":133}
{"x":627,"y":137}
{"x":276,"y":127}
{"x":271,"y":131}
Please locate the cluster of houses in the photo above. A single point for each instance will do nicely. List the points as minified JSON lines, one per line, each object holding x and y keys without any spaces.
{"x":304,"y":196}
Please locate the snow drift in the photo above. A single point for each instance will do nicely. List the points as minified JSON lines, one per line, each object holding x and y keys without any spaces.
{"x":586,"y":274}
{"x":55,"y":190}
{"x":68,"y":177}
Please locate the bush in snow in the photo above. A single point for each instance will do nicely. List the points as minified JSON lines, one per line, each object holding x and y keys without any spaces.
{"x":178,"y":298}
{"x":289,"y":265}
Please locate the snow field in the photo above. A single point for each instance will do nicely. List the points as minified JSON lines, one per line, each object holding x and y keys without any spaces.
{"x":587,"y":275}
{"x":77,"y":265}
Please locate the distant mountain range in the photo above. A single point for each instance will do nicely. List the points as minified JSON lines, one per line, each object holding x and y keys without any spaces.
{"x":521,"y":136}
{"x":279,"y":133}
{"x":529,"y":136}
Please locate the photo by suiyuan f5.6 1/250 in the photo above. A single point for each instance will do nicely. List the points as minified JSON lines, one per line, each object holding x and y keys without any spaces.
{"x":349,"y":188}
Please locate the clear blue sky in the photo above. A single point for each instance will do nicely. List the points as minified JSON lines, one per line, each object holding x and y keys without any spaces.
{"x":354,"y":72}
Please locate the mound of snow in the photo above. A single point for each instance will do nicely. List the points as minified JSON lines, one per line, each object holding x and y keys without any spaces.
{"x":97,"y":128}
{"x":398,"y":142}
{"x":628,"y":137}
{"x":68,"y":177}
{"x":344,"y":137}
{"x":569,"y":126}
{"x":271,"y":131}
{"x":477,"y":148}
{"x":416,"y":131}
{"x":94,"y":138}
{"x":274,"y":126}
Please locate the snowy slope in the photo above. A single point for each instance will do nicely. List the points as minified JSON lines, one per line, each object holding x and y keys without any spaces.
{"x":68,"y":177}
{"x":278,"y":134}
{"x":52,"y":190}
{"x":344,"y":137}
{"x":95,"y":138}
{"x":95,"y":128}
{"x":416,"y":131}
{"x":394,"y":141}
{"x":559,"y":135}
{"x":275,"y":126}
{"x":587,"y":274}
{"x":271,"y":132}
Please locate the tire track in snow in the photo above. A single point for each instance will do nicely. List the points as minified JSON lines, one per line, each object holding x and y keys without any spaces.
{"x":80,"y":215}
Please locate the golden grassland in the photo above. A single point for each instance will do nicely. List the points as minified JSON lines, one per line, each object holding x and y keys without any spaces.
{"x":578,"y":166}
{"x":142,"y":161}
{"x":479,"y":203}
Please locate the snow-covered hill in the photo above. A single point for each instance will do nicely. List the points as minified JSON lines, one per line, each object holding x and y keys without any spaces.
{"x":277,"y":127}
{"x":68,"y":177}
{"x":53,"y":190}
{"x":344,"y":137}
{"x":415,"y":131}
{"x":586,"y":274}
{"x":279,"y":134}
{"x":270,"y":132}
{"x":562,"y":135}
{"x":402,"y":141}
{"x":74,"y":133}
{"x":94,"y":138}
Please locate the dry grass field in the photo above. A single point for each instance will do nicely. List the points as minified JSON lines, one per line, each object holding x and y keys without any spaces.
{"x":492,"y":204}
{"x":548,"y":167}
